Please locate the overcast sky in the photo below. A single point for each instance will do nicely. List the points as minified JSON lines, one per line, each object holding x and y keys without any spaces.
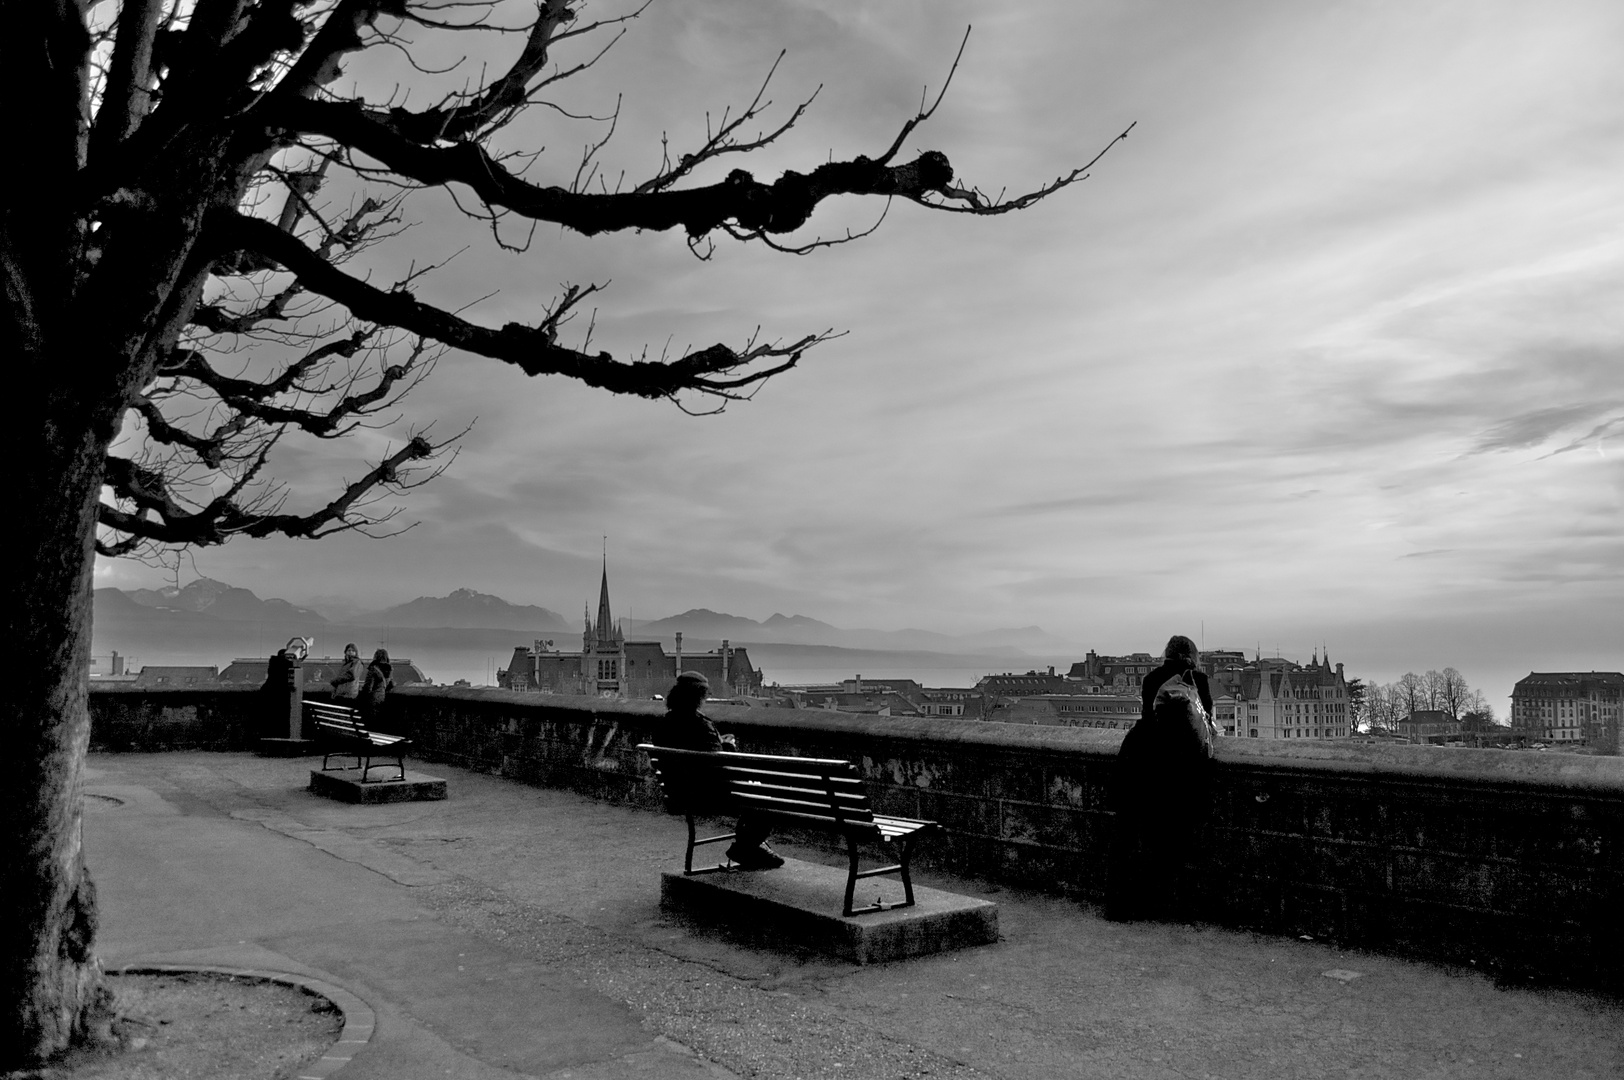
{"x":1328,"y":351}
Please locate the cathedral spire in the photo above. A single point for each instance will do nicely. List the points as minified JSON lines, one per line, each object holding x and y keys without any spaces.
{"x":606,"y":623}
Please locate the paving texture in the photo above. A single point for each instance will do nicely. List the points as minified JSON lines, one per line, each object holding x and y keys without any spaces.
{"x":516,"y":932}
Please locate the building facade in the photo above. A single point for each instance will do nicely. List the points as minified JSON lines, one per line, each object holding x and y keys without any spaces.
{"x":1568,"y":708}
{"x":1430,"y":726}
{"x":1114,"y":671}
{"x":1272,"y":698}
{"x":1103,"y":709}
{"x":610,"y":666}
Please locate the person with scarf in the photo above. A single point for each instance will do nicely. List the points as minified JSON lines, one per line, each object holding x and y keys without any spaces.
{"x":374,"y":687}
{"x":347,"y":683}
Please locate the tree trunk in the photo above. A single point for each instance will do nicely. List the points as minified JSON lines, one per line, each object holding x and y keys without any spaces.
{"x":49,"y":975}
{"x":58,"y":430}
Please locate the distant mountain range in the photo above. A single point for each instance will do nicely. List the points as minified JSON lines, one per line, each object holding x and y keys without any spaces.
{"x":218,"y":600}
{"x":205,"y":602}
{"x":704,"y":624}
{"x":465,"y":609}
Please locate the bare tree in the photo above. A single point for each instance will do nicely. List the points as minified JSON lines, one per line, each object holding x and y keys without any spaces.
{"x":1477,"y":715}
{"x":1432,"y":689}
{"x":182,"y":291}
{"x":1386,"y":705}
{"x":1412,"y":692}
{"x":1454,"y":695}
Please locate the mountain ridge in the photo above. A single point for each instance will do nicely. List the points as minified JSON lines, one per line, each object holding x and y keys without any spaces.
{"x":207,"y":600}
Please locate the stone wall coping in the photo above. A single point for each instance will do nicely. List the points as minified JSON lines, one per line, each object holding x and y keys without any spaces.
{"x":1526,"y":768}
{"x":130,"y":688}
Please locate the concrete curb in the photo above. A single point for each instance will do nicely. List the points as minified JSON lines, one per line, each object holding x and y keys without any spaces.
{"x":359,"y":1019}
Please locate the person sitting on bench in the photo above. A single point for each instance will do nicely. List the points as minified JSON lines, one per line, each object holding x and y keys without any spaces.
{"x":686,"y":728}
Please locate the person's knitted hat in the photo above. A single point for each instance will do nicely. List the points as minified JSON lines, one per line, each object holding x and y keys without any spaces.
{"x":693,"y":680}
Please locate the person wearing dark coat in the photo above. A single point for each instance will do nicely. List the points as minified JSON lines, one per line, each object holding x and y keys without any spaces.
{"x":347,"y":683}
{"x":1162,"y":791}
{"x":1179,"y":660}
{"x":686,"y":728}
{"x":374,"y":687}
{"x":274,"y":695}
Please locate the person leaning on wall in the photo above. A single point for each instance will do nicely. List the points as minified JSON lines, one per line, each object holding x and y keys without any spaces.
{"x":1161,"y":793}
{"x":1180,"y":660}
{"x":375,"y":687}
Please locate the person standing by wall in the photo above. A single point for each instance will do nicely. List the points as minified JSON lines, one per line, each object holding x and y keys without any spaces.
{"x":347,"y":683}
{"x":375,"y":687}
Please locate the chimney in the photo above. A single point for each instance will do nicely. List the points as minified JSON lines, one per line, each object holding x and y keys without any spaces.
{"x":1051,"y":669}
{"x":724,"y":662}
{"x":118,"y":663}
{"x":679,"y":652}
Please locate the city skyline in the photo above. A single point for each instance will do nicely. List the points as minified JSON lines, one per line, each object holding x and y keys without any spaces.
{"x":1325,"y":353}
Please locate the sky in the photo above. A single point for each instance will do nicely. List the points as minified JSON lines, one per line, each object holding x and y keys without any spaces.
{"x":1326,"y":354}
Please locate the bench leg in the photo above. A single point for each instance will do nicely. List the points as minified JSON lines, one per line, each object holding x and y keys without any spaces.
{"x":851,"y":878}
{"x":400,"y":763}
{"x":693,"y":842}
{"x":342,"y":768}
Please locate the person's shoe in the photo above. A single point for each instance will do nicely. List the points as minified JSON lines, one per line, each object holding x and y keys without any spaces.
{"x":755,"y":858}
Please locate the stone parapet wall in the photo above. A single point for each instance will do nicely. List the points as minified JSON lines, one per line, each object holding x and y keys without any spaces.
{"x":124,"y":718}
{"x":1512,"y":862}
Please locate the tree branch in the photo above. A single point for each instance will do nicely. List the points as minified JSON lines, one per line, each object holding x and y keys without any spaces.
{"x":509,"y":92}
{"x":534,"y":350}
{"x":157,"y":518}
{"x":127,"y":95}
{"x":779,"y":207}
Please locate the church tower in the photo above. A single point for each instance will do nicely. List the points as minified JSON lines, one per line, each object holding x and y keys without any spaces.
{"x":603,"y":647}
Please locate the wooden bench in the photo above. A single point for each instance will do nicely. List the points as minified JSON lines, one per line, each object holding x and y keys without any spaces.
{"x":822,"y":793}
{"x":341,"y":731}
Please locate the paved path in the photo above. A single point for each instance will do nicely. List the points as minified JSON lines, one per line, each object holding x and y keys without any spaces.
{"x":515,"y":932}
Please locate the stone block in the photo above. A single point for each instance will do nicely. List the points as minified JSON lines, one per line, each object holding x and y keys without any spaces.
{"x":346,"y":786}
{"x":799,"y":904}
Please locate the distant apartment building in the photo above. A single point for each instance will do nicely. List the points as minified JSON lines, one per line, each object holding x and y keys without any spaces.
{"x":959,"y":702}
{"x":1033,"y":682}
{"x":1570,"y":707}
{"x":885,"y":697}
{"x":1101,"y":709}
{"x":870,"y":702}
{"x":176,"y":677}
{"x":610,"y":666}
{"x":1273,"y":698}
{"x":1116,"y":671}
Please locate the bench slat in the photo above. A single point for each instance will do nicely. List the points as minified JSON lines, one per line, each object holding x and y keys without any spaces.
{"x":853,"y":783}
{"x":861,"y":815}
{"x":838,"y":798}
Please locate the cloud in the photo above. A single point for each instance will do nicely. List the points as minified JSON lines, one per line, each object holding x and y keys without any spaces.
{"x":1307,"y":357}
{"x":1538,"y":426}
